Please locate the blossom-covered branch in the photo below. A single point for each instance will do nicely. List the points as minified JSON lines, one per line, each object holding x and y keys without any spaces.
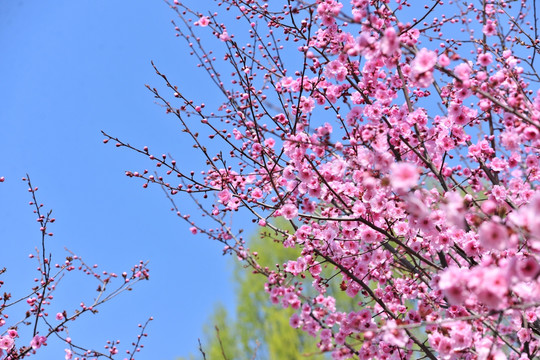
{"x":401,"y":142}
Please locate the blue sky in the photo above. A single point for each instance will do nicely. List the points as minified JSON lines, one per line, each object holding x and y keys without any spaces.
{"x":69,"y":69}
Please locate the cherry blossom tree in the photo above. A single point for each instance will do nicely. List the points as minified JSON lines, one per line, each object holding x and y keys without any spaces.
{"x":26,"y":321}
{"x":400,"y":141}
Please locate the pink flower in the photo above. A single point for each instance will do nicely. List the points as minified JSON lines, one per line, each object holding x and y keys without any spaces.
{"x":403,"y":176}
{"x":454,"y":209}
{"x":444,"y":60}
{"x":295,"y":321}
{"x":530,"y":133}
{"x":6,"y":342}
{"x":69,"y":354}
{"x":463,"y":71}
{"x":257,"y":193}
{"x":498,"y":192}
{"x":59,"y":316}
{"x":453,"y":284}
{"x":326,"y":334}
{"x":203,"y":21}
{"x":38,"y":341}
{"x":527,"y":268}
{"x":485,"y":59}
{"x":296,"y":267}
{"x":401,"y":228}
{"x":490,"y":286}
{"x":281,"y":118}
{"x":461,"y":334}
{"x":489,"y":207}
{"x":445,"y":346}
{"x":493,"y":236}
{"x":328,"y":10}
{"x":307,"y":104}
{"x":390,"y":42}
{"x":224,"y":36}
{"x":224,"y":196}
{"x":524,"y":335}
{"x":289,"y":211}
{"x":269,"y":142}
{"x":498,"y":164}
{"x":336,"y":69}
{"x":424,"y":61}
{"x":490,"y":28}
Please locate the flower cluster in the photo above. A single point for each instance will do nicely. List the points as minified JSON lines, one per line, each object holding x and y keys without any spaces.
{"x":404,"y":152}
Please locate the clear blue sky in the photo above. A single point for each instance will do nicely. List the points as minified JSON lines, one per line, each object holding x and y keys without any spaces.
{"x":69,"y":69}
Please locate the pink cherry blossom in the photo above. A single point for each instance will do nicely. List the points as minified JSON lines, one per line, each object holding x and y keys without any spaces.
{"x":224,"y":36}
{"x":390,"y":42}
{"x":38,"y":341}
{"x":485,"y":59}
{"x":493,"y":236}
{"x":404,"y":176}
{"x":335,"y":69}
{"x":444,"y":60}
{"x":490,"y":28}
{"x":289,"y":211}
{"x":527,"y":268}
{"x":463,"y":71}
{"x":424,"y":61}
{"x":6,"y":342}
{"x":69,"y":354}
{"x":203,"y":21}
{"x":453,"y":282}
{"x":490,"y":286}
